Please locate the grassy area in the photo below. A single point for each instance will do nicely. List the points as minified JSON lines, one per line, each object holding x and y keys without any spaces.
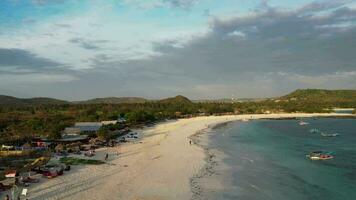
{"x":78,"y":161}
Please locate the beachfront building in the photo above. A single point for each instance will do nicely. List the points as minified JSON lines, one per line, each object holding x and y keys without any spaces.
{"x":70,"y":131}
{"x":88,"y":128}
{"x":104,"y":123}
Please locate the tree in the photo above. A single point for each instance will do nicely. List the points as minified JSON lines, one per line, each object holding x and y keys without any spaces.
{"x":104,"y":134}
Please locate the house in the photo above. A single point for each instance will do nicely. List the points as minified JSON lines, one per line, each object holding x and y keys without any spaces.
{"x":88,"y":127}
{"x":72,"y":139}
{"x":71,"y":131}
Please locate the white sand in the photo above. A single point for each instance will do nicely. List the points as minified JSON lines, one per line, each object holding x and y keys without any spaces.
{"x":158,"y":167}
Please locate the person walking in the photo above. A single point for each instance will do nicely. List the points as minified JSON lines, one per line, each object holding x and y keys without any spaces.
{"x":106,"y":156}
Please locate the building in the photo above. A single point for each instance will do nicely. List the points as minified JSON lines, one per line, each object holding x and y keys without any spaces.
{"x":88,"y":127}
{"x":71,"y":131}
{"x":104,"y":123}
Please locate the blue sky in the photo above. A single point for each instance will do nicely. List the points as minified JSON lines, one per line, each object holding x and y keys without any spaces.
{"x":74,"y":49}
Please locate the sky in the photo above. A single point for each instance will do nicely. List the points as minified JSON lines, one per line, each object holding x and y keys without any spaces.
{"x":202,"y":49}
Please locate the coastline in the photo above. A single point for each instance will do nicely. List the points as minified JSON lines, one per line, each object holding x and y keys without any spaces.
{"x":162,"y":165}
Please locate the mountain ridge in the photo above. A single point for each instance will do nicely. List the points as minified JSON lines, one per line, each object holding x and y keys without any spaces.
{"x":299,"y":94}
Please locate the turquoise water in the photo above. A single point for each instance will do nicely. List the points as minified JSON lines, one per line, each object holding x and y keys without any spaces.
{"x":267,"y":160}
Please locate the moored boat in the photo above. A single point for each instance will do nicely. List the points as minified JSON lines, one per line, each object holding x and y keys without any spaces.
{"x":319,"y":155}
{"x":303,"y":123}
{"x":314,"y":130}
{"x":329,"y":134}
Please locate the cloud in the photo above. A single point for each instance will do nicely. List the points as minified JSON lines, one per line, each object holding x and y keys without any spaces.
{"x":35,"y":78}
{"x":25,"y":60}
{"x":183,"y":4}
{"x":267,"y":52}
{"x":244,"y":55}
{"x":88,"y":44}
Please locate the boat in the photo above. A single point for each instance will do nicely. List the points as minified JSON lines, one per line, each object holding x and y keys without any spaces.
{"x":303,"y":123}
{"x":314,"y":130}
{"x":329,"y":134}
{"x":319,"y":155}
{"x":50,"y":174}
{"x":10,"y":173}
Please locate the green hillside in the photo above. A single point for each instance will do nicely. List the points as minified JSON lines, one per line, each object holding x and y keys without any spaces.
{"x":13,"y":101}
{"x":114,"y":100}
{"x":318,"y":95}
{"x":176,"y":100}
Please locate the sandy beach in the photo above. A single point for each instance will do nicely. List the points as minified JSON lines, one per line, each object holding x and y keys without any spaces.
{"x":158,"y":166}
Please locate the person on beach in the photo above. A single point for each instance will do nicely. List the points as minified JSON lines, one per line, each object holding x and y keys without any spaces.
{"x":106,"y":156}
{"x":190,"y":142}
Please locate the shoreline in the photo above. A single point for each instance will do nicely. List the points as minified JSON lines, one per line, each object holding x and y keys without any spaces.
{"x":162,"y":165}
{"x":210,"y":156}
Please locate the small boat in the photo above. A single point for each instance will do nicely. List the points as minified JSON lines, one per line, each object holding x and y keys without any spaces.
{"x":50,"y":174}
{"x":10,"y":174}
{"x":329,"y":134}
{"x":303,"y":123}
{"x":319,"y":155}
{"x":314,"y":130}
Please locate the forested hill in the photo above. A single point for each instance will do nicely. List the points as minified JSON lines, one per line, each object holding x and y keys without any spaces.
{"x":318,"y":95}
{"x":176,"y":100}
{"x":114,"y":100}
{"x":13,"y":101}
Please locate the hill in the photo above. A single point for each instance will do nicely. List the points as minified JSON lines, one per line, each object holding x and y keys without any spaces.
{"x":318,"y":95}
{"x":114,"y":100}
{"x":13,"y":101}
{"x":176,"y":100}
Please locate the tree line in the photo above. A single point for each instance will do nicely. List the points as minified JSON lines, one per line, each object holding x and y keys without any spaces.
{"x":24,"y":123}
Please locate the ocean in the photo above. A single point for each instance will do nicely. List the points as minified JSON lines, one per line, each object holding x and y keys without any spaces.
{"x":266,"y":159}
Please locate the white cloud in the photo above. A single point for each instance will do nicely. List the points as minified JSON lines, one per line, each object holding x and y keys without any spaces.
{"x":237,"y":34}
{"x":126,"y":39}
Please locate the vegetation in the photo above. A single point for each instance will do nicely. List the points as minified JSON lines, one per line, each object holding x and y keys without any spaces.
{"x":114,"y":100}
{"x":21,"y":123}
{"x":13,"y":101}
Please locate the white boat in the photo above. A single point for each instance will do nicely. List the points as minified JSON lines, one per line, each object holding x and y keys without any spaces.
{"x":329,"y":134}
{"x":319,"y":155}
{"x":303,"y":123}
{"x":314,"y":130}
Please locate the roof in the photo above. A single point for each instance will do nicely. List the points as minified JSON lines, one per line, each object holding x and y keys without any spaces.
{"x":71,"y":131}
{"x":88,"y":126}
{"x":73,"y":138}
{"x":108,"y":122}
